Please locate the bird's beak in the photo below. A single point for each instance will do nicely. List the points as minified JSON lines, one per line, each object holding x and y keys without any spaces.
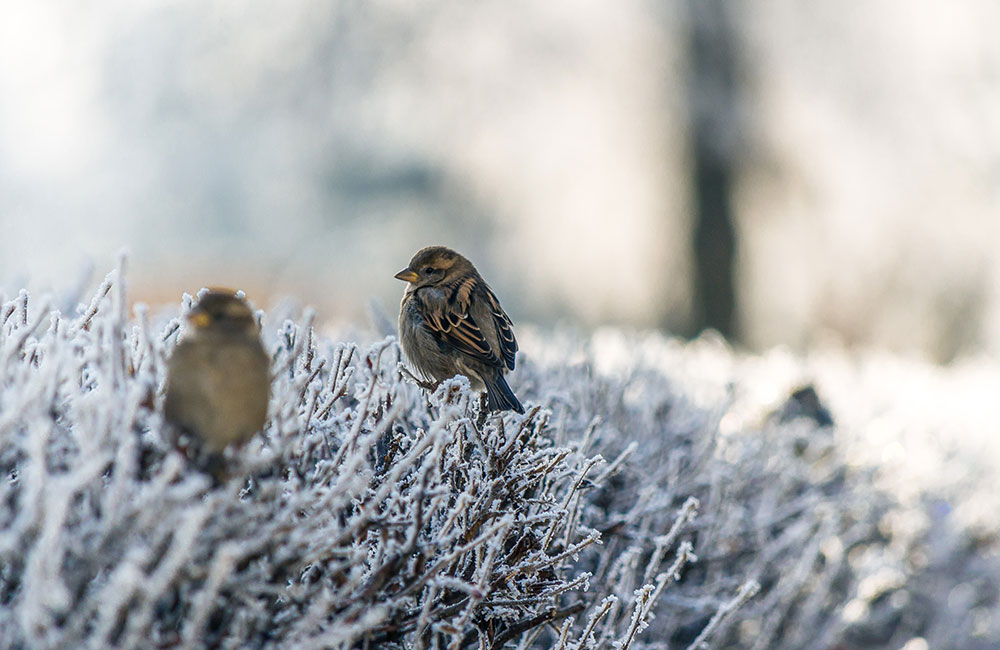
{"x":199,"y":319}
{"x":406,"y":275}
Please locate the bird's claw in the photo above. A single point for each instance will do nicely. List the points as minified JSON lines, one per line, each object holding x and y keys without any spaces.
{"x":430,"y":386}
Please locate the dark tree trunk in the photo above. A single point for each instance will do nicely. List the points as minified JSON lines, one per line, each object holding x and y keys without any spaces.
{"x":713,"y":103}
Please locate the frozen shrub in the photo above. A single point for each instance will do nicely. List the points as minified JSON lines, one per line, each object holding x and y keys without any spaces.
{"x":637,"y":504}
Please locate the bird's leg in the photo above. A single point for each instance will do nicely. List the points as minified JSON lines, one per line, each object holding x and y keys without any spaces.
{"x":484,"y":410}
{"x":426,"y":385}
{"x":214,"y":464}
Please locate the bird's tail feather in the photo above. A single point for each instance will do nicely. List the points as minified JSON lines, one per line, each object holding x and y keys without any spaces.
{"x":499,"y":396}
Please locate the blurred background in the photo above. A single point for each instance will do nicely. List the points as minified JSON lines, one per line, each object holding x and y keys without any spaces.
{"x":784,"y":172}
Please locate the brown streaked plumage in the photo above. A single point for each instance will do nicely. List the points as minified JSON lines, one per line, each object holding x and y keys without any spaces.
{"x":218,"y":377}
{"x":451,"y":323}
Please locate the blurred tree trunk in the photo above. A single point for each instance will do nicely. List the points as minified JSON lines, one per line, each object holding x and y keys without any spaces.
{"x":713,"y":103}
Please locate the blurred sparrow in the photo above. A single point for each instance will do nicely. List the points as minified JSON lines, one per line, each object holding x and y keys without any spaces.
{"x":218,"y":378}
{"x":451,"y":323}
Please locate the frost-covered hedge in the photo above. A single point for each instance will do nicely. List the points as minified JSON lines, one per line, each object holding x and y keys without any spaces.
{"x":619,"y":511}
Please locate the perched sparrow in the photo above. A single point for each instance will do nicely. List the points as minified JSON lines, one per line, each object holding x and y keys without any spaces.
{"x":451,"y":323}
{"x":218,"y":378}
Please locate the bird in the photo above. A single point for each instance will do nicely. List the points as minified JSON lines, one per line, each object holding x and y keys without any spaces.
{"x":451,"y":323}
{"x":218,"y":378}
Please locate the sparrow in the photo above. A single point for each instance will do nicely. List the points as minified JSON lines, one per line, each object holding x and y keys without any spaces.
{"x":451,"y":323}
{"x":218,"y":377}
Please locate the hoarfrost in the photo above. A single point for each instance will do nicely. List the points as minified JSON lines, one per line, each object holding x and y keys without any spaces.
{"x":369,"y":514}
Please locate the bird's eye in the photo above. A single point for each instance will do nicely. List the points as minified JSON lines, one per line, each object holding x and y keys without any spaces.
{"x":428,"y":270}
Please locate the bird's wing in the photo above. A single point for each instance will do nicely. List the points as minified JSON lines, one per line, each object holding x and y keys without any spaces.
{"x":505,"y":329}
{"x":451,"y":321}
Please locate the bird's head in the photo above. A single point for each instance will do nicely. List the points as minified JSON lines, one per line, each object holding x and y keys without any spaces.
{"x":222,"y":311}
{"x":435,"y":265}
